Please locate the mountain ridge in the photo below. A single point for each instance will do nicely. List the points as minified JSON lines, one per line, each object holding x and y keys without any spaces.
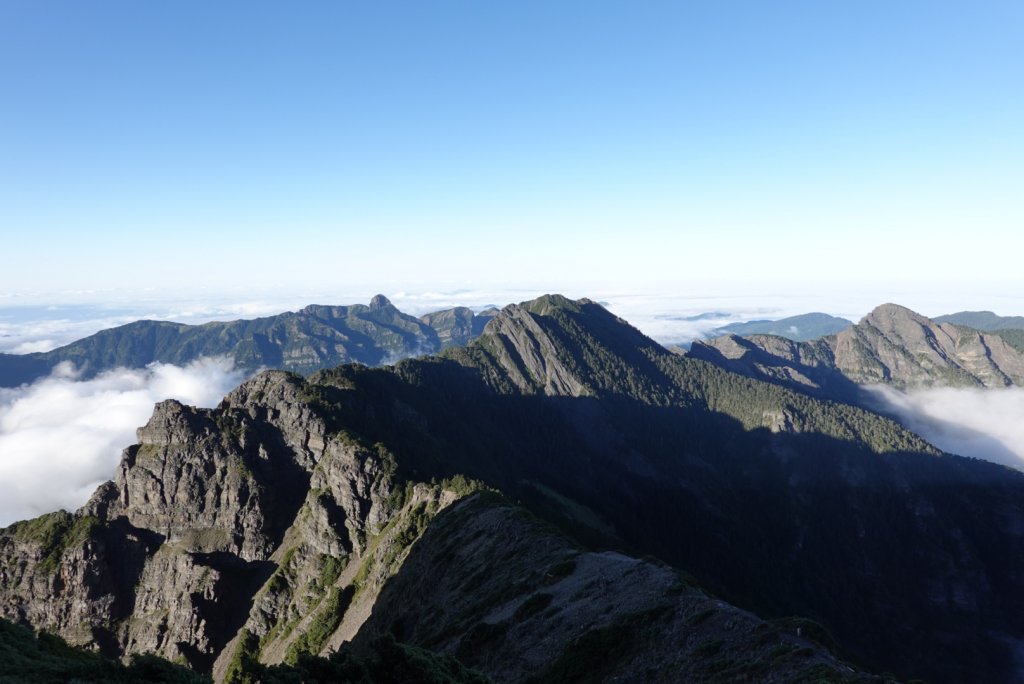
{"x":891,"y":345}
{"x":314,"y":337}
{"x":278,"y":519}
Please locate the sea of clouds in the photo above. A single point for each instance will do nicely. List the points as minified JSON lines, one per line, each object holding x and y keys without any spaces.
{"x":981,"y":423}
{"x":60,"y":437}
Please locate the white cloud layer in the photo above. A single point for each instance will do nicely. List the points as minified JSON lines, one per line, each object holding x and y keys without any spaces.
{"x":61,"y":437}
{"x":970,"y":422}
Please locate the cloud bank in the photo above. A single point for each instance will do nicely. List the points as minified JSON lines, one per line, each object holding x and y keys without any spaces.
{"x":970,"y":422}
{"x":61,"y":437}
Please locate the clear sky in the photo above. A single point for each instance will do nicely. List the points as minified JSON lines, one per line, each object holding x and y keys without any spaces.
{"x":378,"y":146}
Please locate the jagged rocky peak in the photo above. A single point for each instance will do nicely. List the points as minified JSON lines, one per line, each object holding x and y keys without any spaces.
{"x":545,"y":304}
{"x":559,"y":306}
{"x":560,"y":347}
{"x":173,"y":423}
{"x":540,"y":343}
{"x":893,"y":318}
{"x":529,"y":354}
{"x":380,"y":302}
{"x":891,"y":311}
{"x":278,"y":396}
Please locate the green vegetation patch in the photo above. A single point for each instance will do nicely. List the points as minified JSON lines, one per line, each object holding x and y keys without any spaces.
{"x":26,"y":658}
{"x":244,"y":661}
{"x":54,"y":533}
{"x":330,"y":570}
{"x":323,"y":625}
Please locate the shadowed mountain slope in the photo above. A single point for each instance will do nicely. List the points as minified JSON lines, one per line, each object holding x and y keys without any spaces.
{"x":283,"y":521}
{"x":513,"y":597}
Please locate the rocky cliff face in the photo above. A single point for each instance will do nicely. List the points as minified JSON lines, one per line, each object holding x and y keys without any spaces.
{"x":169,"y":556}
{"x":891,"y":345}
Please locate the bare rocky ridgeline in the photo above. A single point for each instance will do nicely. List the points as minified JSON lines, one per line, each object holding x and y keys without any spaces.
{"x":302,"y":514}
{"x":891,"y":345}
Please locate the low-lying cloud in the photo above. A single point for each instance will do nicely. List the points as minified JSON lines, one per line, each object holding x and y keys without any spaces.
{"x":61,"y":437}
{"x":970,"y":422}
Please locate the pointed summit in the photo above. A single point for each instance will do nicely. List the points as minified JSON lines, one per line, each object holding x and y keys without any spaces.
{"x":558,"y":346}
{"x":888,"y":316}
{"x":379,"y":302}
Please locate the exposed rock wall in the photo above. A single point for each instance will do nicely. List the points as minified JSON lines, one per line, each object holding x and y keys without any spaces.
{"x":169,"y":557}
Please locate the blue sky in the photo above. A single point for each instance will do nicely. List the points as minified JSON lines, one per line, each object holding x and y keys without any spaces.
{"x":576,"y":146}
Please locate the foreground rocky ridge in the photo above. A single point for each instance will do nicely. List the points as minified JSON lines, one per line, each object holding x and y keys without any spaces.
{"x":891,"y":345}
{"x":252,"y":534}
{"x":514,"y":598}
{"x":242,"y":516}
{"x":286,"y":521}
{"x":304,"y":341}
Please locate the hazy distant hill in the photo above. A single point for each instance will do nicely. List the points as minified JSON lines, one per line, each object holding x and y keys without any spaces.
{"x":801,"y":328}
{"x":301,"y":513}
{"x":303,"y":341}
{"x":983,"y":320}
{"x":891,"y":345}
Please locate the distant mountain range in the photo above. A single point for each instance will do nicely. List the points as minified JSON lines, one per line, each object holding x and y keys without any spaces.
{"x":891,"y":345}
{"x":363,"y":504}
{"x":983,"y":320}
{"x":318,"y":337}
{"x":801,"y":328}
{"x":303,"y":341}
